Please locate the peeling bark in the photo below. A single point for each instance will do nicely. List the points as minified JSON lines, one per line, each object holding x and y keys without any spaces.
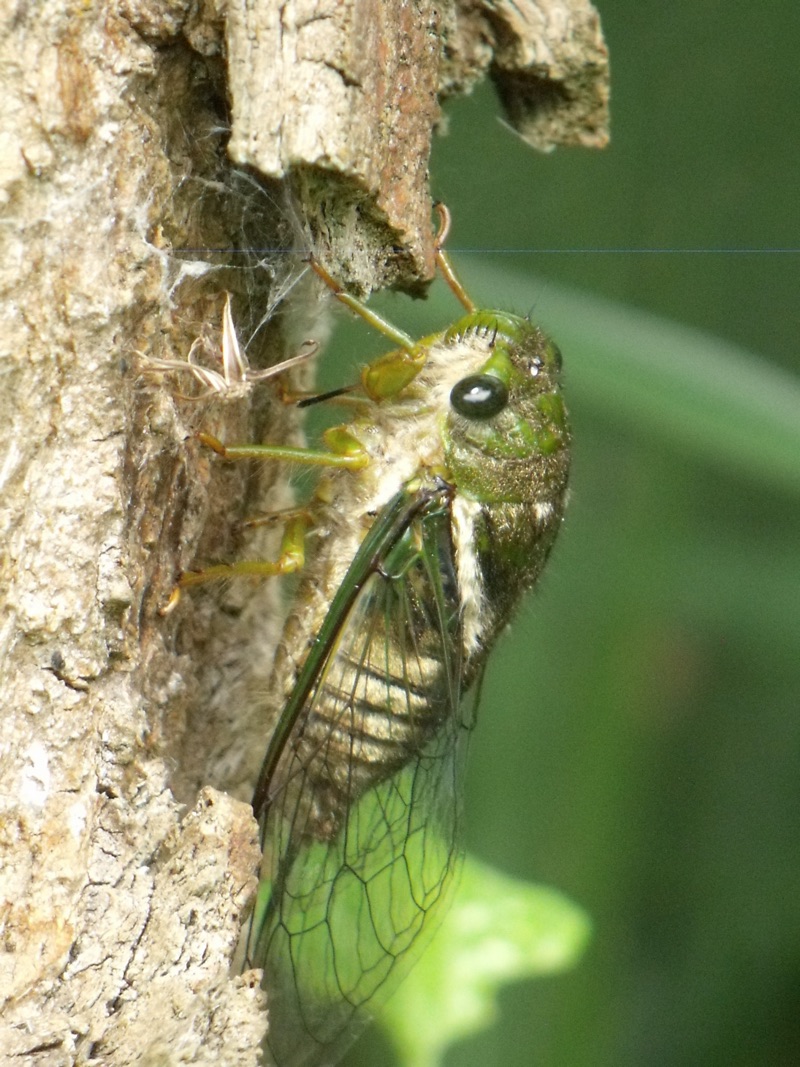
{"x":548,"y":61}
{"x":130,"y":739}
{"x":342,"y":98}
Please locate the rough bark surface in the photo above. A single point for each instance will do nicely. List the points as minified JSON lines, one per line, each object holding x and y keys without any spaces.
{"x":342,"y":98}
{"x":129,"y":739}
{"x":548,"y":61}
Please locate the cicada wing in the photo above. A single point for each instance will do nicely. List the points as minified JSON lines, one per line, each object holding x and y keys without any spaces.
{"x":360,"y":830}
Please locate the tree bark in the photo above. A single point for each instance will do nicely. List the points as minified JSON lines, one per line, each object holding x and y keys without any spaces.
{"x":154,"y":156}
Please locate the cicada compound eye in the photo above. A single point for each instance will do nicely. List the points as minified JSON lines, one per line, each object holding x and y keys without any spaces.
{"x":479,"y":396}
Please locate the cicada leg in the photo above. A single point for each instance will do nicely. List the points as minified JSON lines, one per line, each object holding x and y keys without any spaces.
{"x":291,"y":559}
{"x":444,"y":264}
{"x":388,"y":375}
{"x":343,"y":451}
{"x":275,"y":518}
{"x":377,"y":322}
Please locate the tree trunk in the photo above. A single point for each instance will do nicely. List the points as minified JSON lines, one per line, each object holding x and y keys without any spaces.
{"x":156,"y":155}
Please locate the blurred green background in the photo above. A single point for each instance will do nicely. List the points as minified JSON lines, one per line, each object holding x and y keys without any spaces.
{"x":639,"y":740}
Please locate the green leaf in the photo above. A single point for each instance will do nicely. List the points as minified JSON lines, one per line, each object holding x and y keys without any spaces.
{"x":498,"y":930}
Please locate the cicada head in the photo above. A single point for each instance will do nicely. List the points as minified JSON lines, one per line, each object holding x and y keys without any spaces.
{"x":505,"y":441}
{"x":506,"y":438}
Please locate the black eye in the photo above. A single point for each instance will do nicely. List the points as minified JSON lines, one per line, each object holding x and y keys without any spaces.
{"x":480,"y":396}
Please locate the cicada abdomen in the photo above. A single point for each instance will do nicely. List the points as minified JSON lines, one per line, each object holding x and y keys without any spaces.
{"x":391,"y":653}
{"x":360,"y":812}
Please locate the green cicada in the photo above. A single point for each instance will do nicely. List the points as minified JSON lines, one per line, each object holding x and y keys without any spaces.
{"x":439,"y":504}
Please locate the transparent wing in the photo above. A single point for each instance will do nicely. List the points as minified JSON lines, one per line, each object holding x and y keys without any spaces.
{"x":360,"y":799}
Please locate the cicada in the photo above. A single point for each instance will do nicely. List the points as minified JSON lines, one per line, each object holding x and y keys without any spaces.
{"x":437,"y":507}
